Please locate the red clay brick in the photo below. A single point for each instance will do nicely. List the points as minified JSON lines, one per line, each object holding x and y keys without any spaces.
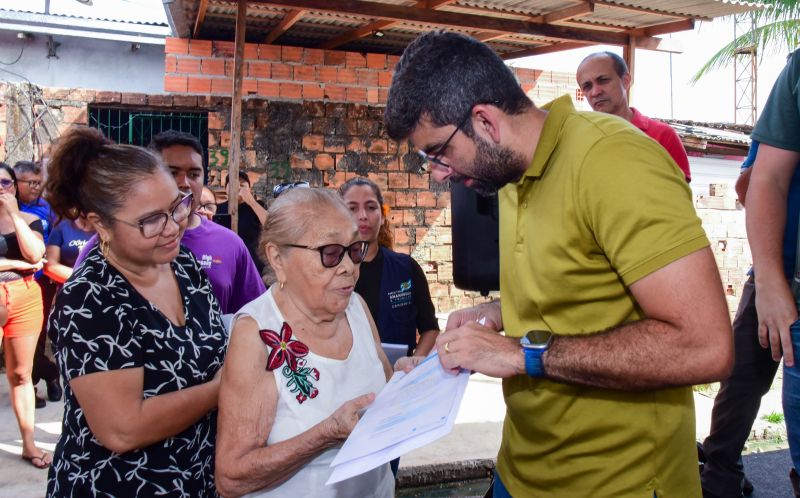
{"x":249,"y":86}
{"x":354,"y":59}
{"x":326,"y":74}
{"x":222,"y":86}
{"x":282,"y":72}
{"x":269,"y":52}
{"x":405,"y":199}
{"x":159,"y":100}
{"x":223,"y":49}
{"x":313,"y":142}
{"x":214,"y":67}
{"x":335,"y":58}
{"x":250,"y":51}
{"x":184,"y":101}
{"x":385,"y":78}
{"x":324,"y":162}
{"x":376,"y":61}
{"x":402,"y":238}
{"x":215,"y":121}
{"x":268,"y":88}
{"x":291,"y":90}
{"x":392,"y":61}
{"x":313,"y":56}
{"x":189,"y":66}
{"x":73,"y":115}
{"x":298,"y":162}
{"x":443,"y":201}
{"x":134,"y":98}
{"x":355,"y":94}
{"x":383,"y":95}
{"x":175,"y":83}
{"x":176,"y":46}
{"x":378,"y":147}
{"x":313,"y":91}
{"x":414,"y":181}
{"x":170,"y":64}
{"x":305,"y":73}
{"x":291,"y":54}
{"x":426,"y":199}
{"x":199,"y":85}
{"x":372,"y":95}
{"x":346,"y":76}
{"x":398,"y":180}
{"x":229,"y":67}
{"x":335,"y":93}
{"x":367,"y":77}
{"x":200,"y":48}
{"x":258,"y":70}
{"x":356,"y":145}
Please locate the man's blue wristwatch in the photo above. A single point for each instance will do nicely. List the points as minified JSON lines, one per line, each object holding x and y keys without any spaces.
{"x":534,"y":344}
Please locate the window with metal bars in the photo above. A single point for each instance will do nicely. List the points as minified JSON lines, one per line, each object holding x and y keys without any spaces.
{"x":137,"y":127}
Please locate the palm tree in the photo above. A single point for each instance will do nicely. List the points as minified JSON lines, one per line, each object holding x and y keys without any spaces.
{"x":777,"y":28}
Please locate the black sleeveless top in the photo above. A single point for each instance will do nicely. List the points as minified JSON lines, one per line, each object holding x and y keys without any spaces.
{"x":9,"y":249}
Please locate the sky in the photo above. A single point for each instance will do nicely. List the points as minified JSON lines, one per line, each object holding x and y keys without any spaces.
{"x":710,"y":100}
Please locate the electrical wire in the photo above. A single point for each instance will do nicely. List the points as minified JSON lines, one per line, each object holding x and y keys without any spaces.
{"x":21,"y":51}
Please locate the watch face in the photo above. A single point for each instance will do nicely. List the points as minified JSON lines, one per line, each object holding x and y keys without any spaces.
{"x":539,"y":337}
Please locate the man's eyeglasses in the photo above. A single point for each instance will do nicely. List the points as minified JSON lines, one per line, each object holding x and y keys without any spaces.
{"x":6,"y":183}
{"x":332,"y":254}
{"x":31,"y":183}
{"x":153,"y":225}
{"x":283,"y":187}
{"x":427,"y":159}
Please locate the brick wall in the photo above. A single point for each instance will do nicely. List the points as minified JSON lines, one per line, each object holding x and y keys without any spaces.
{"x":327,"y":143}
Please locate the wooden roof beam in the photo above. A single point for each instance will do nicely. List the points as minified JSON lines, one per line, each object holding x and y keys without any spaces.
{"x":649,"y":10}
{"x":288,"y":20}
{"x":399,"y":13}
{"x":372,"y":27}
{"x":663,"y":29}
{"x":544,"y":49}
{"x":201,"y":15}
{"x":568,"y":12}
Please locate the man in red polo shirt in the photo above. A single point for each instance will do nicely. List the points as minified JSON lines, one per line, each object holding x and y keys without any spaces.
{"x":604,"y":79}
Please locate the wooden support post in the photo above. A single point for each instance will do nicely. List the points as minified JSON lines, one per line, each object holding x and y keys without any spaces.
{"x":235,"y":151}
{"x":629,"y":54}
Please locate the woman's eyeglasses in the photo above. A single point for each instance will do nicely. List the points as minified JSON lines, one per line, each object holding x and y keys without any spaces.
{"x":332,"y":254}
{"x":153,"y":225}
{"x":6,"y":183}
{"x":211,"y":207}
{"x":283,"y":187}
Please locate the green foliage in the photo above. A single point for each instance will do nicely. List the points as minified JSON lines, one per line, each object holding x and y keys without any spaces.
{"x":777,"y":29}
{"x":773,"y":418}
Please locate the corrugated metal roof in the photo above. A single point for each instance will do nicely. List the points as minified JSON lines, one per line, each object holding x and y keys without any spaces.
{"x":129,"y":11}
{"x":508,"y":26}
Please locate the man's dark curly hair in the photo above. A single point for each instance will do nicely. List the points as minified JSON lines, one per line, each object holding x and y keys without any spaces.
{"x":442,"y":75}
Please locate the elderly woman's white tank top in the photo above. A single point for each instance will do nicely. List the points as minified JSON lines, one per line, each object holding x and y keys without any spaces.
{"x":312,"y":389}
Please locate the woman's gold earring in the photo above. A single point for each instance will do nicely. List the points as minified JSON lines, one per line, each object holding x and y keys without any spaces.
{"x":281,"y":285}
{"x":104,"y":247}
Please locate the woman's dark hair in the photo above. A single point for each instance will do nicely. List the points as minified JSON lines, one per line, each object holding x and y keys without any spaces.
{"x":385,"y":237}
{"x":11,"y":173}
{"x":89,"y":173}
{"x":443,"y":75}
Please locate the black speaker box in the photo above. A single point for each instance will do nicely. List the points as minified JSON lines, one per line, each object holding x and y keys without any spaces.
{"x":476,"y":236}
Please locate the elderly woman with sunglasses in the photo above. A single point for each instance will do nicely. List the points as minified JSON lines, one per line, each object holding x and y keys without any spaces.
{"x":138,"y":333}
{"x":303,"y":360}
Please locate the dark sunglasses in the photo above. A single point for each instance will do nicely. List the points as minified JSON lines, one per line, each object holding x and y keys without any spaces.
{"x":283,"y":187}
{"x":6,"y":183}
{"x":332,"y":254}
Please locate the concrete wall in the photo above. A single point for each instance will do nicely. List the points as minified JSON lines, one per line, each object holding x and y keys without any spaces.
{"x":83,"y":63}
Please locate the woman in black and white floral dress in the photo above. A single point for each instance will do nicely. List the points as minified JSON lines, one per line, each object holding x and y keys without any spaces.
{"x":137,"y":331}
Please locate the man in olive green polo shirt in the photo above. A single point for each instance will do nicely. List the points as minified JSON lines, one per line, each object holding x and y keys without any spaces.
{"x":601,"y":253}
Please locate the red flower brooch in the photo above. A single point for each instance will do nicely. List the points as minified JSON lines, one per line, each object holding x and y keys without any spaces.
{"x":290,"y":352}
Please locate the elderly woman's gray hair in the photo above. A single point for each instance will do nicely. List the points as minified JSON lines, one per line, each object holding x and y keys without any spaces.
{"x":291,"y":215}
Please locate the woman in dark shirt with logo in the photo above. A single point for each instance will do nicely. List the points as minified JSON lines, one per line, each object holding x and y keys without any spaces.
{"x":21,"y":248}
{"x":392,"y":283}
